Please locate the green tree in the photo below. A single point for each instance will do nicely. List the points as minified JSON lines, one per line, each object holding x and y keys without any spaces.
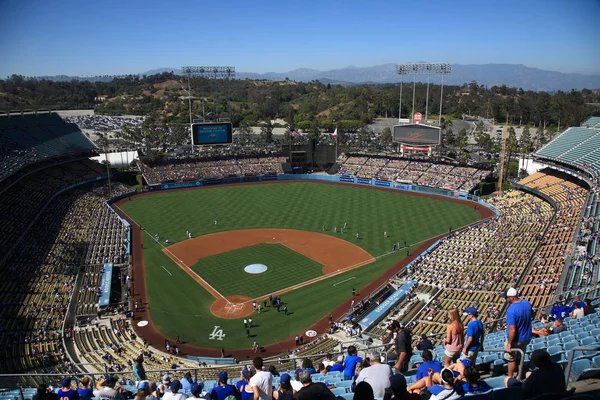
{"x":526,"y":143}
{"x":386,"y":136}
{"x":266,"y":131}
{"x":315,"y":129}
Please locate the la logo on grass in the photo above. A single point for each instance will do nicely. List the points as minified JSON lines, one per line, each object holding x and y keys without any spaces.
{"x":216,"y":333}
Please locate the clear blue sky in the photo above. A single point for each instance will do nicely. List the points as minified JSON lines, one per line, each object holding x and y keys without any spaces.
{"x":97,"y":37}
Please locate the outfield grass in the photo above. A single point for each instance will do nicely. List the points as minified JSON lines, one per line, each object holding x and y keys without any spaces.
{"x":179,"y":306}
{"x":285,"y":268}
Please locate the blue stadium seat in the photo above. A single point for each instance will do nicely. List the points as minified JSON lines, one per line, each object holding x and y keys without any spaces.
{"x":480,"y":396}
{"x":588,"y":341}
{"x":340,"y":391}
{"x":346,"y":396}
{"x":557,"y":353}
{"x":496,"y":382}
{"x":343,"y":384}
{"x":566,"y":338}
{"x":583,"y":369}
{"x":596,"y":361}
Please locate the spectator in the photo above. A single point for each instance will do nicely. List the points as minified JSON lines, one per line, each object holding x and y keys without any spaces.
{"x":473,"y":382}
{"x":308,"y":364}
{"x":428,"y":363}
{"x":262,"y":381}
{"x":339,"y":365}
{"x":285,"y":391}
{"x":106,"y":389}
{"x":223,"y":389}
{"x":328,"y":362}
{"x":545,"y":331}
{"x":66,"y":391}
{"x":377,"y":375}
{"x":364,"y":391}
{"x":399,"y":392}
{"x":518,"y":331}
{"x":588,"y":309}
{"x":243,"y":380}
{"x":144,"y":391}
{"x":139,"y":373}
{"x":273,"y":370}
{"x":312,"y":390}
{"x":248,"y":392}
{"x":445,"y":391}
{"x":186,"y":382}
{"x":45,"y":393}
{"x":548,"y":377}
{"x":172,"y":394}
{"x":197,"y":389}
{"x":577,"y":311}
{"x":402,"y":348}
{"x":424,"y":343}
{"x":85,"y":391}
{"x":454,"y":338}
{"x":558,"y":326}
{"x":350,"y":363}
{"x":475,"y":335}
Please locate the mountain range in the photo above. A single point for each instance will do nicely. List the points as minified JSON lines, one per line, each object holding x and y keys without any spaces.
{"x":511,"y":75}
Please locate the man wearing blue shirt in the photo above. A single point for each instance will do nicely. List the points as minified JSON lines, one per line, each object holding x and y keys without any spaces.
{"x":427,"y":363}
{"x":518,"y":328}
{"x":475,"y":335}
{"x":66,"y":392}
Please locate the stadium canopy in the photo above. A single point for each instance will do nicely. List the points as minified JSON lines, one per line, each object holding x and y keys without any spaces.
{"x":120,"y":159}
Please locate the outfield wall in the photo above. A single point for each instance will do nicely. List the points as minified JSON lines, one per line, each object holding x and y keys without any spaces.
{"x":455,"y":194}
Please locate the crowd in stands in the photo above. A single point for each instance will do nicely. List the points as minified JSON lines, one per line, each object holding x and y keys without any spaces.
{"x":181,"y":170}
{"x":418,"y":172}
{"x":39,"y":270}
{"x":28,"y":138}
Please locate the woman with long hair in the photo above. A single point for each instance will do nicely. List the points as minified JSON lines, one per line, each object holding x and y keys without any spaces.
{"x":285,"y":390}
{"x":454,"y":337}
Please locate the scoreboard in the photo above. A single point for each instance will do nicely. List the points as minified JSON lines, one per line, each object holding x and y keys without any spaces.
{"x":208,"y":133}
{"x":417,"y":134}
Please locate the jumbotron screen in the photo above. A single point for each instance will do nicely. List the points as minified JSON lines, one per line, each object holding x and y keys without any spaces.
{"x":211,"y":133}
{"x":417,"y":134}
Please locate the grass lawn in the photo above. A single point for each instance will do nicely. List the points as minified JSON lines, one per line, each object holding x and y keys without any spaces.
{"x":179,"y":306}
{"x":225,"y":271}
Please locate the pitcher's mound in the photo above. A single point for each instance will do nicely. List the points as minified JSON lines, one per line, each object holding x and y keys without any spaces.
{"x":232,"y":307}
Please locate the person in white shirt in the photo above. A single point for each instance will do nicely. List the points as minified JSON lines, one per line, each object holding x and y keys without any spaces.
{"x":262,"y":381}
{"x":172,"y":394}
{"x":577,"y":311}
{"x":377,"y":375}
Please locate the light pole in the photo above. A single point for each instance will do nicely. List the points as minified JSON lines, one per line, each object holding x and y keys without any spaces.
{"x":204,"y":71}
{"x":425,"y":69}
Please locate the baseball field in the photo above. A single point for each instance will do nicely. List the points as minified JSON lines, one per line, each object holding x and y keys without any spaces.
{"x":292,"y":232}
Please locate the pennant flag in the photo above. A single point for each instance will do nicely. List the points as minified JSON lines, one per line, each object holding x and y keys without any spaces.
{"x":334,"y":134}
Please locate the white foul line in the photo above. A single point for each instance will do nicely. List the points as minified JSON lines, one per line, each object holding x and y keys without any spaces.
{"x":163,"y":267}
{"x":345,"y":280}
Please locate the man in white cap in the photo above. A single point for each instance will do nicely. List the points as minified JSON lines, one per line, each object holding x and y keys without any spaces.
{"x":475,"y":335}
{"x":518,"y":329}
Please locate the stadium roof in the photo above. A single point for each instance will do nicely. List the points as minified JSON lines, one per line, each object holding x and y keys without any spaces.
{"x":579,"y":147}
{"x":591,"y":122}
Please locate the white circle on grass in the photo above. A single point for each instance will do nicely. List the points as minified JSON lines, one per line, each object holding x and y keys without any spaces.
{"x":142,"y":323}
{"x":255,"y":268}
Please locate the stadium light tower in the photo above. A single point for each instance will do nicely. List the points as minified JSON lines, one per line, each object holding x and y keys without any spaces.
{"x":423,"y":69}
{"x":206,"y":71}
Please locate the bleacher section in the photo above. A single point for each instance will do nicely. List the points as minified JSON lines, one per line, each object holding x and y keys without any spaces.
{"x":37,"y":278}
{"x":206,"y":169}
{"x":29,"y":138}
{"x":579,"y":147}
{"x":418,"y":172}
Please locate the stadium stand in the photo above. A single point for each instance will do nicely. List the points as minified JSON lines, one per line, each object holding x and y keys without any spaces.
{"x":184,"y":170}
{"x":29,"y":138}
{"x":418,"y":172}
{"x":65,"y":236}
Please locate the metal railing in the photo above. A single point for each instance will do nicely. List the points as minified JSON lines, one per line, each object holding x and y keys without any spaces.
{"x":571,"y":357}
